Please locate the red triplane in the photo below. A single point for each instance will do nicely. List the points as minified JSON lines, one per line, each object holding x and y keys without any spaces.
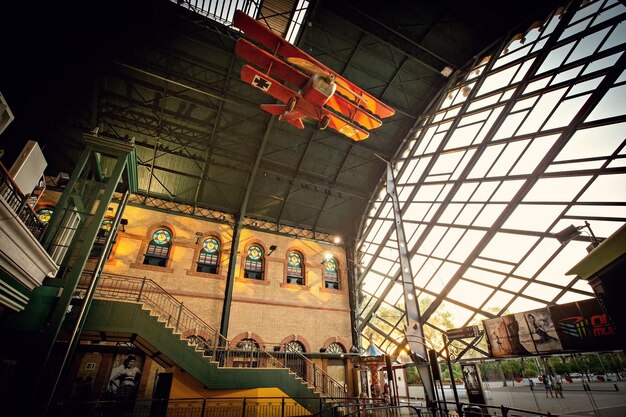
{"x":306,"y":87}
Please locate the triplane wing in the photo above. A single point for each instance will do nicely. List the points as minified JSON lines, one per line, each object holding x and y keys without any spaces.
{"x":305,"y":85}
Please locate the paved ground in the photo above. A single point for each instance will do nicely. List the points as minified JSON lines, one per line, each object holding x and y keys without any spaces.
{"x":601,"y":401}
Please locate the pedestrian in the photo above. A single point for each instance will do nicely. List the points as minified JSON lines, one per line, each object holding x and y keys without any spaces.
{"x":558,"y":387}
{"x":547,"y":383}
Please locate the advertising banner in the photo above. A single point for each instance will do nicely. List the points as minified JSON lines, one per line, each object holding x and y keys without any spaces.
{"x":573,"y":327}
{"x":584,"y":326}
{"x":509,"y":336}
{"x":542,"y":331}
{"x":473,"y":383}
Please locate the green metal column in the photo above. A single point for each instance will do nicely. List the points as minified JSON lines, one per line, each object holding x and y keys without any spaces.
{"x":87,"y":196}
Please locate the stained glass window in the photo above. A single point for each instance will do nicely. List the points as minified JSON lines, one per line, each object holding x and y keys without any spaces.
{"x":45,"y":215}
{"x":105,"y":230}
{"x":208,"y":258}
{"x":254,"y":263}
{"x":295,"y":268}
{"x":101,"y":237}
{"x":158,"y":248}
{"x":331,"y":275}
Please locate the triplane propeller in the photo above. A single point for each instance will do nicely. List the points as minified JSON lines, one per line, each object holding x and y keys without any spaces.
{"x":306,"y":87}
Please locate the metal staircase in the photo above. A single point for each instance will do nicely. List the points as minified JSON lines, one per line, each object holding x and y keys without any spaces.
{"x":142,"y":311}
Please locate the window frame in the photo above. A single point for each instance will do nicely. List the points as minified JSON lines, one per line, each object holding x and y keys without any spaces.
{"x":218,"y":257}
{"x":325,"y":275}
{"x":163,"y":261}
{"x":247,"y":272}
{"x":290,"y":278}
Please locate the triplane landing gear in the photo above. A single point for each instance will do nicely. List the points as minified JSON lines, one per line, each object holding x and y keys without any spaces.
{"x":323,"y":122}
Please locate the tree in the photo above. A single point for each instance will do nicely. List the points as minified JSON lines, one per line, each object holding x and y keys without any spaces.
{"x":412,"y":376}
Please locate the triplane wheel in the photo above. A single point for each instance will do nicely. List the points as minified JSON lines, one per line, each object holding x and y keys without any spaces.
{"x":323,"y":122}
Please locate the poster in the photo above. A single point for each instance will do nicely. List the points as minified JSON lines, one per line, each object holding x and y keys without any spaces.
{"x":572,"y":327}
{"x":509,"y":336}
{"x":123,"y":381}
{"x":473,"y":383}
{"x":542,"y":330}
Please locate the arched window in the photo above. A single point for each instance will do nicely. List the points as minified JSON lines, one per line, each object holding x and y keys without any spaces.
{"x":295,"y":268}
{"x":45,"y":215}
{"x":294,"y":346}
{"x":335,"y":348}
{"x":101,"y":237}
{"x":331,"y":275}
{"x":248,"y":345}
{"x":294,"y":361}
{"x":244,"y":356}
{"x":254,"y":263}
{"x":158,"y":248}
{"x":209,"y":256}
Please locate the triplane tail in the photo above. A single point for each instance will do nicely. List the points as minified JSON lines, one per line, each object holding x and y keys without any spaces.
{"x":292,"y":117}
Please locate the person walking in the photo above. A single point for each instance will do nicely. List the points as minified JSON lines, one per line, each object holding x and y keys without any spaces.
{"x":558,"y":387}
{"x":547,"y":384}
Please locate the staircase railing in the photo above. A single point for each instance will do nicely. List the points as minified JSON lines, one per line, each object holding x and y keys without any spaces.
{"x":312,"y":374}
{"x":168,"y":309}
{"x":203,"y":337}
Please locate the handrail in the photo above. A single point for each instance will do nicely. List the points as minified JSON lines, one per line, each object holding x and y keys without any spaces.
{"x":18,"y":202}
{"x":168,"y":309}
{"x":224,"y":406}
{"x":204,"y":337}
{"x":312,"y":374}
{"x":363,"y":409}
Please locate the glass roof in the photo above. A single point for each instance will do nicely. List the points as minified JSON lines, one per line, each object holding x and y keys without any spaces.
{"x":285,"y":17}
{"x":528,"y":141}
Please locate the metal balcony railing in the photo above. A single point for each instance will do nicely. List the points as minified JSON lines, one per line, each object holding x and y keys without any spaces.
{"x":18,"y":202}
